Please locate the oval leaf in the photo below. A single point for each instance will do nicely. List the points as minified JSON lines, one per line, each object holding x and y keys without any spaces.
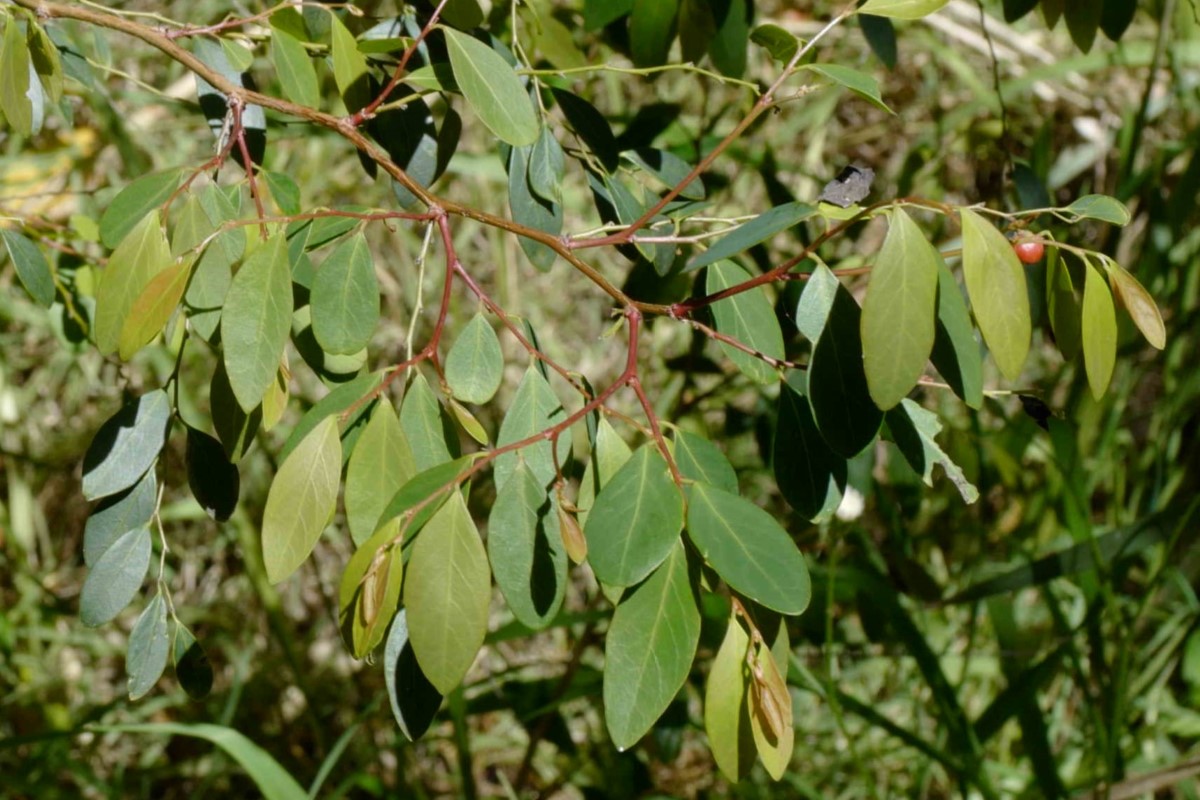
{"x":447,"y":594}
{"x":726,"y":709}
{"x":475,"y":365}
{"x":810,"y":476}
{"x":115,"y":578}
{"x":414,"y":699}
{"x":901,"y":9}
{"x":535,"y":408}
{"x":748,"y":549}
{"x":118,"y":514}
{"x":32,"y":269}
{"x":301,"y":500}
{"x":1099,"y":332}
{"x":148,"y":648}
{"x":1140,"y":305}
{"x":955,"y":349}
{"x":126,"y":445}
{"x":898,"y":312}
{"x":192,"y":667}
{"x":492,"y":89}
{"x":749,"y":318}
{"x":294,"y":68}
{"x":635,"y":521}
{"x":1101,"y":207}
{"x":837,"y":386}
{"x":649,"y":649}
{"x":609,"y":453}
{"x":134,"y":202}
{"x":153,"y":308}
{"x":256,"y":321}
{"x":421,"y":420}
{"x":141,"y":255}
{"x":382,"y":462}
{"x":526,"y":549}
{"x":15,"y":101}
{"x":860,"y":83}
{"x":996,"y":285}
{"x":345,"y":298}
{"x":702,"y":461}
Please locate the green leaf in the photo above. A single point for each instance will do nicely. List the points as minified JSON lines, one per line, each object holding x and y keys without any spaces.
{"x":1140,"y":305}
{"x":552,"y":39}
{"x":812,"y":311}
{"x":759,"y":229}
{"x":382,"y":463}
{"x":771,"y":720}
{"x":609,"y":453}
{"x":526,"y":549}
{"x":837,"y":386}
{"x":1083,"y":20}
{"x":284,"y":192}
{"x":126,"y":445}
{"x":598,"y":14}
{"x":1101,"y":207}
{"x":635,"y":520}
{"x":213,"y":479}
{"x":748,"y":549}
{"x":898,"y":312}
{"x":346,"y":400}
{"x":148,"y":648}
{"x":370,"y":590}
{"x":421,"y":420}
{"x":15,"y":100}
{"x":118,"y":514}
{"x":669,"y":169}
{"x":726,"y":707}
{"x":32,"y":270}
{"x":235,"y":428}
{"x":955,"y":350}
{"x":651,"y":31}
{"x":901,"y":9}
{"x":546,"y":166}
{"x":134,"y":202}
{"x":702,"y":461}
{"x":534,"y":409}
{"x":271,"y":778}
{"x":747,"y":317}
{"x":301,"y":500}
{"x":192,"y":668}
{"x":781,"y":44}
{"x":46,"y":61}
{"x":349,"y":66}
{"x":810,"y":476}
{"x":447,"y":594}
{"x":256,"y":321}
{"x":345,"y":298}
{"x":492,"y":89}
{"x":728,"y":48}
{"x":862,"y":84}
{"x":429,"y":490}
{"x":153,"y":308}
{"x":115,"y":578}
{"x":530,"y":210}
{"x":649,"y":649}
{"x":142,"y":254}
{"x":295,"y":69}
{"x":913,"y":429}
{"x":996,"y":285}
{"x":590,"y":125}
{"x":1063,"y":306}
{"x":475,"y":364}
{"x":1099,"y":331}
{"x":206,"y":292}
{"x":414,"y":699}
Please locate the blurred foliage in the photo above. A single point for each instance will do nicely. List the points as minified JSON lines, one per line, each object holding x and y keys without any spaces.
{"x":1040,"y":642}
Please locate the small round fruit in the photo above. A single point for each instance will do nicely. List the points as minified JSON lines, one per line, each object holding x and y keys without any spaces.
{"x":1030,"y":252}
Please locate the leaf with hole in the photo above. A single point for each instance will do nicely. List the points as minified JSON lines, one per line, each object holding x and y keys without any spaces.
{"x":256,"y":321}
{"x":748,"y":549}
{"x":649,"y":649}
{"x":345,"y":298}
{"x":996,"y":285}
{"x":747,"y":317}
{"x":526,"y":549}
{"x":898,"y":312}
{"x":447,"y":594}
{"x":32,"y":270}
{"x":301,"y":500}
{"x":475,"y":363}
{"x":635,"y":520}
{"x":114,"y":580}
{"x":492,"y":89}
{"x":149,"y":644}
{"x":126,"y":445}
{"x":913,"y":430}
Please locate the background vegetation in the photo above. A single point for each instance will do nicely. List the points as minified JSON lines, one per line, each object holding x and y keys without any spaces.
{"x":1037,"y":643}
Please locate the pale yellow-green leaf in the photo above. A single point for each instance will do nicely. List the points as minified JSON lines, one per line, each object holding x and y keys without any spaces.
{"x":1099,"y":331}
{"x":996,"y":285}
{"x":141,"y":255}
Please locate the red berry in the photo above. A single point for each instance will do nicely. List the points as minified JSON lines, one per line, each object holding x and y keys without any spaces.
{"x":1030,"y":252}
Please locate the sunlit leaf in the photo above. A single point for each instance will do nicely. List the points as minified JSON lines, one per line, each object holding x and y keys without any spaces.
{"x":1101,"y":207}
{"x":115,"y":577}
{"x":770,"y":713}
{"x":149,"y":646}
{"x":862,"y":84}
{"x":118,"y":514}
{"x":996,"y":285}
{"x":492,"y":89}
{"x":256,"y":321}
{"x":294,"y":68}
{"x":1063,"y":306}
{"x":534,"y":409}
{"x":349,"y":65}
{"x":901,"y":9}
{"x":747,"y":317}
{"x":700,"y":460}
{"x":421,"y":420}
{"x":526,"y":549}
{"x":1140,"y":305}
{"x":726,"y":706}
{"x":956,"y":353}
{"x":759,"y":229}
{"x":141,"y":255}
{"x":32,"y":270}
{"x":475,"y":364}
{"x":381,"y":463}
{"x":126,"y":445}
{"x":345,"y":298}
{"x":153,"y":308}
{"x":1099,"y":322}
{"x":134,"y":202}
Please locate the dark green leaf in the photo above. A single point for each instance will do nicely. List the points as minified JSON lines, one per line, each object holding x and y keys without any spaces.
{"x":192,"y":667}
{"x":747,"y":317}
{"x":546,"y":166}
{"x":492,"y":89}
{"x":759,"y":229}
{"x":955,"y":350}
{"x":345,"y":298}
{"x":134,"y":202}
{"x":880,"y":34}
{"x":1116,"y":17}
{"x":235,"y":428}
{"x":530,"y":210}
{"x":700,"y":460}
{"x":649,"y":649}
{"x":526,"y":549}
{"x":475,"y":364}
{"x":810,"y":476}
{"x":600,"y":13}
{"x":32,"y":270}
{"x":1063,"y":306}
{"x":214,"y":481}
{"x":1083,"y":20}
{"x":651,"y":31}
{"x":126,"y":445}
{"x":284,"y":192}
{"x":414,"y":699}
{"x":777,"y":41}
{"x":590,"y":125}
{"x":256,"y":321}
{"x":728,"y":48}
{"x":837,"y":387}
{"x":635,"y":520}
{"x":148,"y":648}
{"x":748,"y":549}
{"x":114,"y":580}
{"x":669,"y":169}
{"x":913,"y":429}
